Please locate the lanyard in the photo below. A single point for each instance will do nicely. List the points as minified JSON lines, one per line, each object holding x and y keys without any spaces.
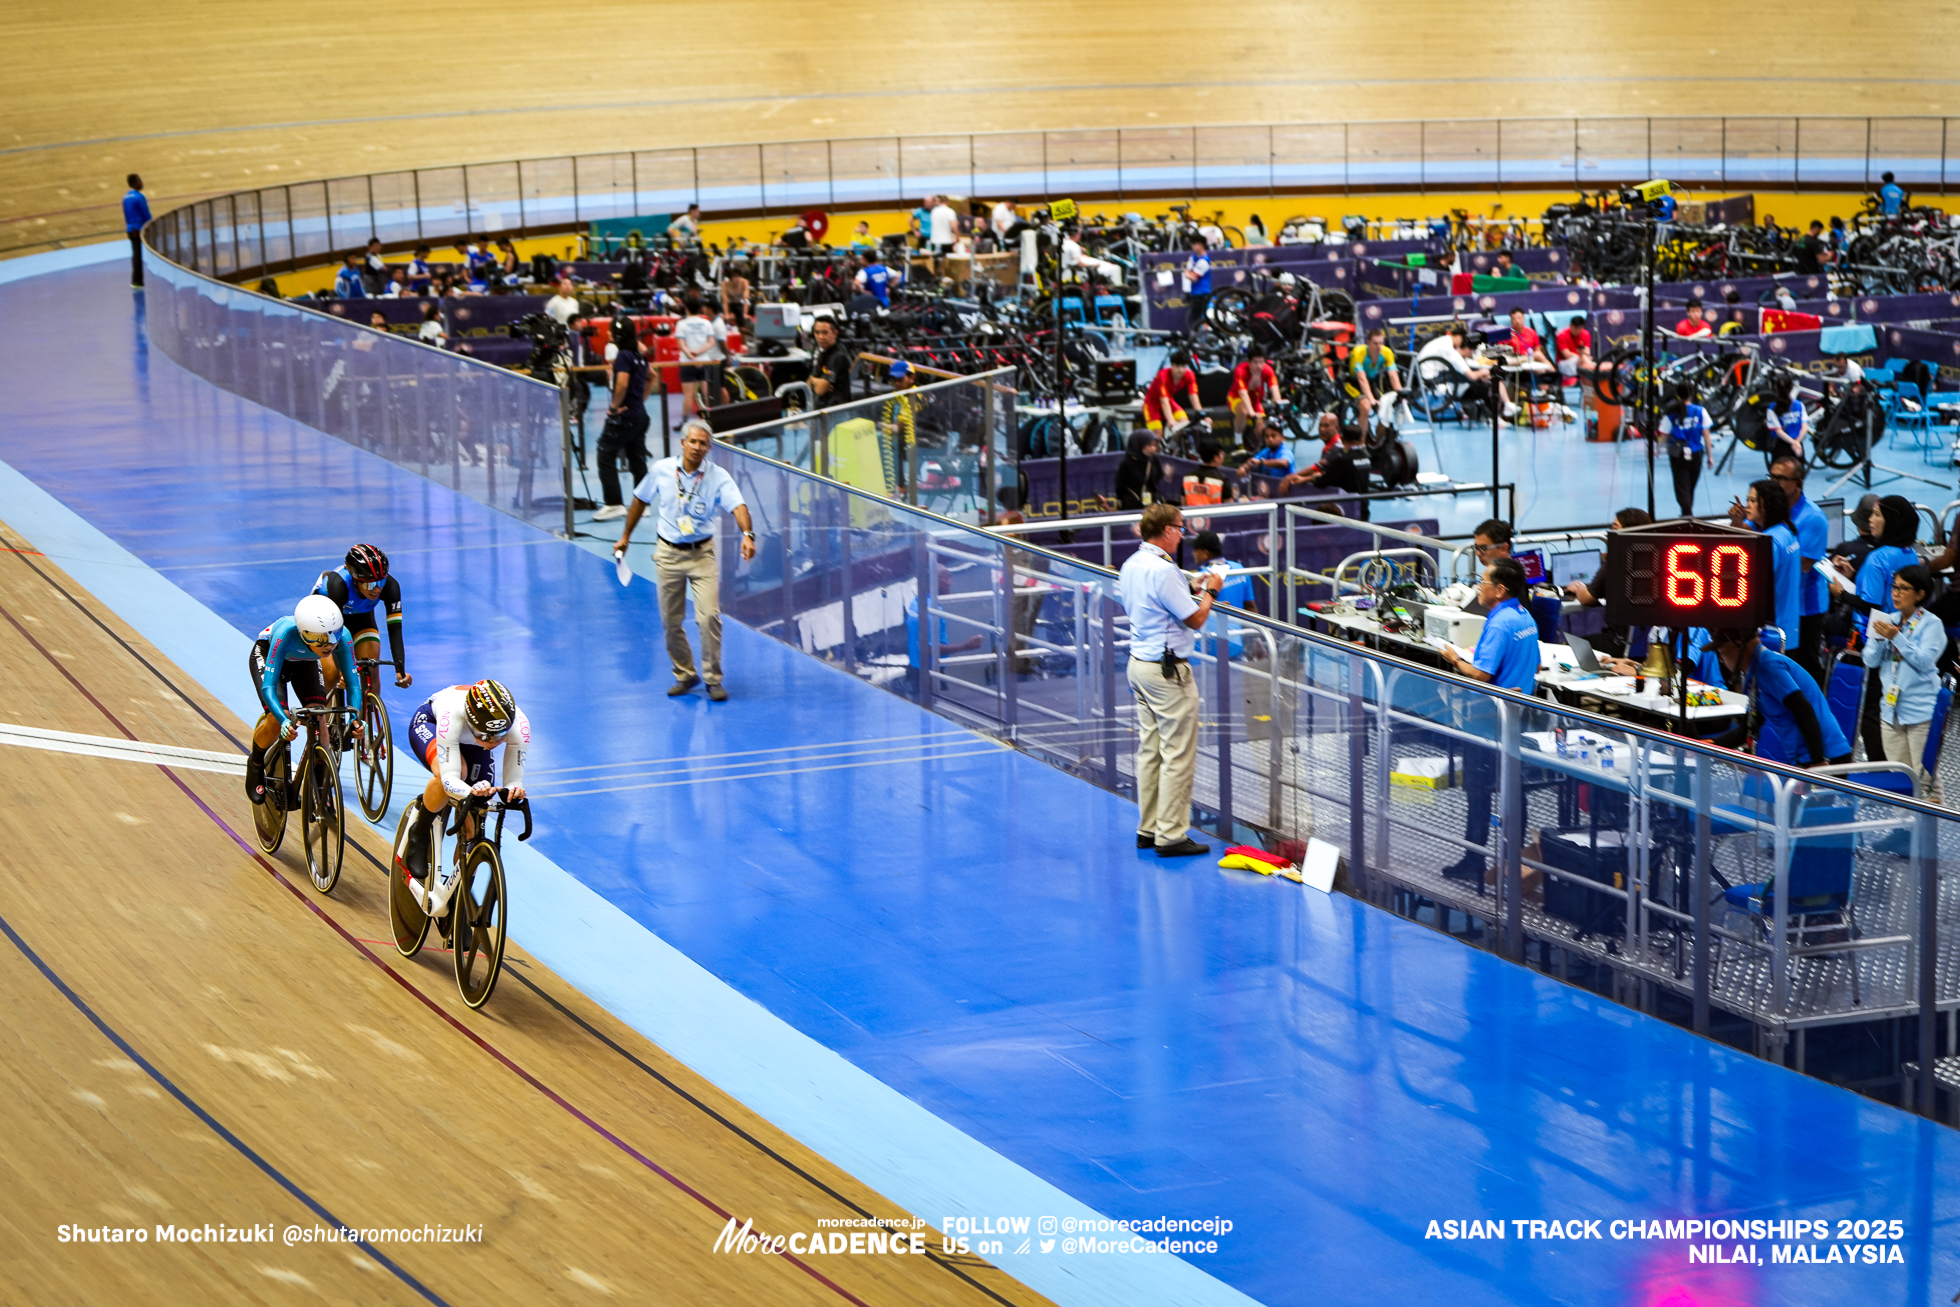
{"x":681,"y":487}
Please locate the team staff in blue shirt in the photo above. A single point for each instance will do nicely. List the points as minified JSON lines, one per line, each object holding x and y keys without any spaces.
{"x":1685,"y":424}
{"x":1768,"y":511}
{"x":136,"y":213}
{"x":1891,"y":196}
{"x":1793,"y":707}
{"x":1813,"y":533}
{"x":1894,"y":523}
{"x":1506,"y":655}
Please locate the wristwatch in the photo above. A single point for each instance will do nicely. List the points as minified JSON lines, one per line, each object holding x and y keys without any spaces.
{"x":748,"y":535}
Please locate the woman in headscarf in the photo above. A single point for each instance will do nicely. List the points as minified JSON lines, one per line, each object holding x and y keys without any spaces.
{"x":1140,"y":476}
{"x":1894,"y":523}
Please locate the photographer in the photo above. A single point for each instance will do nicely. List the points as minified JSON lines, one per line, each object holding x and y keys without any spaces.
{"x":626,"y":420}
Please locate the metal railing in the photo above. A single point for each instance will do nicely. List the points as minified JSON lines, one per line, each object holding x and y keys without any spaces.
{"x":253,"y":233}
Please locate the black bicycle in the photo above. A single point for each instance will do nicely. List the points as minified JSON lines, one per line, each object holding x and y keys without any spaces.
{"x":475,"y":919}
{"x":318,"y":798}
{"x":374,"y":748}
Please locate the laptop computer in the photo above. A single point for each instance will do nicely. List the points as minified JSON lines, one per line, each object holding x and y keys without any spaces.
{"x":1579,"y":565}
{"x":1533,"y":563}
{"x":1583,"y":656}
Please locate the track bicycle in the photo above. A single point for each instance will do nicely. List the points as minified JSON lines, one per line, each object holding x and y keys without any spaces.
{"x":476,"y":917}
{"x":318,"y":798}
{"x":374,"y":747}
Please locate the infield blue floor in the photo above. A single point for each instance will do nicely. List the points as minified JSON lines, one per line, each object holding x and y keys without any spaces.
{"x":973,"y":928}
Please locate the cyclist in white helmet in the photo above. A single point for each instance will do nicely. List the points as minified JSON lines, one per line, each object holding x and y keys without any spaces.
{"x":289,"y":652}
{"x":453,"y":734}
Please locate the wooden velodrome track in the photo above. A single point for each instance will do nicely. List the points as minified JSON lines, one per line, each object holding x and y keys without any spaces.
{"x":206,"y":96}
{"x":195,"y":1037}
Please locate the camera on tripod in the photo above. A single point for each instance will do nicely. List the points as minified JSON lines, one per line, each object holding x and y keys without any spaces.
{"x":1656,"y":197}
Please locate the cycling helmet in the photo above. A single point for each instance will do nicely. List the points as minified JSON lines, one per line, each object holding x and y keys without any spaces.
{"x":367,"y":564}
{"x":318,"y":615}
{"x":488,"y":708}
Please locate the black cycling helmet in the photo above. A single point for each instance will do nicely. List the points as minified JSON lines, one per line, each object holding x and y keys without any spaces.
{"x":367,"y":564}
{"x":489,"y":709}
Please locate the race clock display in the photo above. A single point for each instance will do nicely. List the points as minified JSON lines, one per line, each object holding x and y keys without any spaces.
{"x":1680,"y":575}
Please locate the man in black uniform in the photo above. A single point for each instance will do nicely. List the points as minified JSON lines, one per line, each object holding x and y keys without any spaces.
{"x":830,"y":370}
{"x":626,"y":420}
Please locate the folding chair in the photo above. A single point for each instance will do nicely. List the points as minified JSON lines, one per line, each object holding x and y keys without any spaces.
{"x":1903,"y":420}
{"x":1818,"y":881}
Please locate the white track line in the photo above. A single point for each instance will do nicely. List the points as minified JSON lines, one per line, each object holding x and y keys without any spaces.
{"x":103,"y":746}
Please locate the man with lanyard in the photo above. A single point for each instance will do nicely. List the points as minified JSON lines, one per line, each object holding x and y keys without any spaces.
{"x":1813,"y":532}
{"x":1197,"y":286}
{"x":1161,"y":410}
{"x":1507,"y":656}
{"x":685,"y":492}
{"x":1253,"y":384}
{"x":356,"y":588}
{"x":1165,"y":617}
{"x":289,"y":652}
{"x":1891,"y":196}
{"x":136,"y":213}
{"x":1793,"y":707}
{"x":1685,"y":424}
{"x":830,"y":371}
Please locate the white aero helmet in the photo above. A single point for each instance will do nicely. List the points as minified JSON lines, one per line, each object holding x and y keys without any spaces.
{"x":318,"y":615}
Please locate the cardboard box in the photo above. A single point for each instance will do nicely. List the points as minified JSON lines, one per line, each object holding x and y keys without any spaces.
{"x":1422,"y":773}
{"x":1533,"y":879}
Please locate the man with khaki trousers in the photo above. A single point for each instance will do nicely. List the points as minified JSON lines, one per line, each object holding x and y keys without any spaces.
{"x":685,"y":493}
{"x":1165,"y":617}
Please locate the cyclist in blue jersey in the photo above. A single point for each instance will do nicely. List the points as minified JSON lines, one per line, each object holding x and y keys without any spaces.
{"x":289,"y":652}
{"x":357,"y":588}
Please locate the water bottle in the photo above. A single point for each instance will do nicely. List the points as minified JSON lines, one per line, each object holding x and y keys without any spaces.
{"x":1606,"y":757}
{"x":1558,"y":738}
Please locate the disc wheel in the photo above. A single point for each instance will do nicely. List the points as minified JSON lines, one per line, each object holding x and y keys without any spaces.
{"x":374,"y":758}
{"x":322,"y":826}
{"x":270,"y":817}
{"x":478,"y":910}
{"x":406,"y":919}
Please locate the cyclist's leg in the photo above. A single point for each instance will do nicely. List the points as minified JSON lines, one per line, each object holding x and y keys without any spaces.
{"x":1241,"y":407}
{"x":265,"y":732}
{"x":433,"y":799}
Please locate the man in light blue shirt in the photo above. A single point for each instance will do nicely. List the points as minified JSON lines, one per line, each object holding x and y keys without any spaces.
{"x":1165,"y":617}
{"x":685,"y":493}
{"x":1506,"y":655}
{"x":1891,"y":196}
{"x":136,"y":214}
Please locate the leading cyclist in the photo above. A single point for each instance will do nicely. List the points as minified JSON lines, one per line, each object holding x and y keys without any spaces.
{"x":453,"y":734}
{"x":357,"y":587}
{"x":290,"y":652}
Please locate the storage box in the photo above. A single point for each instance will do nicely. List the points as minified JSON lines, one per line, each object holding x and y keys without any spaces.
{"x":1532,"y":879}
{"x":1422,"y":773}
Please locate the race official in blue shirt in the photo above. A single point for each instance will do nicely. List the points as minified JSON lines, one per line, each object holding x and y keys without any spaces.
{"x":1793,"y":707}
{"x":685,"y":493}
{"x":1506,"y":655}
{"x":1685,"y":424}
{"x":1165,"y":618}
{"x":136,"y":213}
{"x":1768,"y":511}
{"x":1813,"y":534}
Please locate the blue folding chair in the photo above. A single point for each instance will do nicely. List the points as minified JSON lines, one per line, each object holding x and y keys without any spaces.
{"x":1903,"y":420}
{"x":1818,"y":881}
{"x":1845,"y":693}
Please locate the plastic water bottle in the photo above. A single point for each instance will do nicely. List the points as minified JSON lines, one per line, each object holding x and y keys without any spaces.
{"x":1606,"y":757}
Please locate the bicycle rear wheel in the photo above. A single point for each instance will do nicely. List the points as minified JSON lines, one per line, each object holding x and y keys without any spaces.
{"x":374,"y":758}
{"x":405,"y":916}
{"x":477,"y":917}
{"x":322,"y":826}
{"x":269,"y":818}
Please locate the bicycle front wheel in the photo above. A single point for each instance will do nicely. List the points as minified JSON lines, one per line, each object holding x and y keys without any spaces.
{"x":374,"y":759}
{"x":269,"y":818}
{"x":321,"y":825}
{"x":478,"y":910}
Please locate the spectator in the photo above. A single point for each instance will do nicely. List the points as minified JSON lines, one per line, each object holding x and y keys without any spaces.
{"x":862,"y":239}
{"x":348,"y":283}
{"x":626,"y":426}
{"x":1140,"y":476}
{"x":1004,"y":218}
{"x":687,"y":227}
{"x":1197,"y":285}
{"x":944,"y":226}
{"x":1696,"y":325}
{"x":1891,"y":196}
{"x":1254,"y":385}
{"x":1793,"y":707}
{"x":1213,"y":472}
{"x":1813,"y":532}
{"x":1894,"y":524}
{"x":1507,"y":656}
{"x":1175,"y":381}
{"x":1273,"y":459}
{"x":1813,"y":251}
{"x":563,"y":306}
{"x":1477,"y":383}
{"x":136,"y":213}
{"x":684,"y":494}
{"x":1165,"y":618}
{"x":1375,"y":377}
{"x":1768,"y":511}
{"x":374,"y":267}
{"x":431,"y":332}
{"x":378,"y":320}
{"x":269,"y":287}
{"x":1506,"y":266}
{"x":397,"y":287}
{"x":700,"y":339}
{"x":1256,"y":233}
{"x":830,"y":371}
{"x":1905,"y":647}
{"x":507,"y":261}
{"x":1685,"y":424}
{"x":419,"y":279}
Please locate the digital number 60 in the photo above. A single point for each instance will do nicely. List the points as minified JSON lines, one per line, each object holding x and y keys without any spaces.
{"x":1687,"y":587}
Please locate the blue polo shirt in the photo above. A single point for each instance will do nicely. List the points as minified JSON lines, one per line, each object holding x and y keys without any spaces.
{"x":1814,"y":540}
{"x":1875,"y":577}
{"x":1690,"y":432}
{"x":136,"y":211}
{"x":1507,"y":650}
{"x":1893,"y":197}
{"x":1787,"y":556}
{"x":1774,"y":677}
{"x":877,"y":283}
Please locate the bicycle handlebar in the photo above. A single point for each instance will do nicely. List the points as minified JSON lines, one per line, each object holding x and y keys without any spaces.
{"x":323,"y":710}
{"x":377,"y":662}
{"x":504,"y":804}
